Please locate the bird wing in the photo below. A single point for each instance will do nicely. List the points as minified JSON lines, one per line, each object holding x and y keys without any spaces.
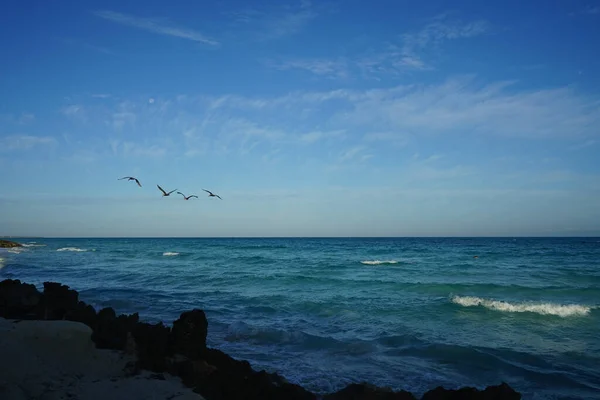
{"x":138,"y":182}
{"x":207,"y":191}
{"x":125,"y":177}
{"x":218,"y":196}
{"x":161,"y":189}
{"x":181,"y":194}
{"x":172,"y":192}
{"x":193,"y":196}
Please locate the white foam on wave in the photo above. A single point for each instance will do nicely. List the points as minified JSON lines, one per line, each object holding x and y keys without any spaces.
{"x":15,"y":250}
{"x":379,"y":262}
{"x":170,"y":254}
{"x":561,"y":310}
{"x":33,"y":245}
{"x":71,"y":249}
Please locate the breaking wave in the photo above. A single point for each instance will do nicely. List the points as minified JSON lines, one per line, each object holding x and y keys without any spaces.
{"x":561,"y":310}
{"x":170,"y":254}
{"x":378,"y":262}
{"x":76,"y":249}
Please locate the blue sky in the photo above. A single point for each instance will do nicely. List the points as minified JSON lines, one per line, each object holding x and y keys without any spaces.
{"x":353,"y":118}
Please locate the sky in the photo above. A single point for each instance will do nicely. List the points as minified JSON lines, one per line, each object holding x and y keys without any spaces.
{"x":308,"y":118}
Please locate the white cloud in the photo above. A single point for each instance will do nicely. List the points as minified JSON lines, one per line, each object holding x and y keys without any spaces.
{"x":583,"y":145}
{"x":456,"y":106}
{"x":274,"y":23}
{"x":128,"y":148}
{"x":409,"y":53}
{"x":394,"y":138}
{"x":351,"y":153}
{"x":25,"y":142}
{"x":332,"y":68}
{"x":23,"y":119}
{"x":377,"y":119}
{"x":315,"y":136}
{"x":156,"y":26}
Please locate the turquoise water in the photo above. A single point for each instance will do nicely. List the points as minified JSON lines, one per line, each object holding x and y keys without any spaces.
{"x":407,"y":313}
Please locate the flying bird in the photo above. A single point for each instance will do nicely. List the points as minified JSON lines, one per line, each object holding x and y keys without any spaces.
{"x":165,"y":193}
{"x":189,"y":197}
{"x":210,"y":194}
{"x":131,"y":178}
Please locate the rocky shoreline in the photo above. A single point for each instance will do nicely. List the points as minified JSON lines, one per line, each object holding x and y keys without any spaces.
{"x":180,"y":350}
{"x":8,"y":244}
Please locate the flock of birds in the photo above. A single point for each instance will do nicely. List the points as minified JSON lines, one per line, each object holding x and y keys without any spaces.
{"x":164,"y":193}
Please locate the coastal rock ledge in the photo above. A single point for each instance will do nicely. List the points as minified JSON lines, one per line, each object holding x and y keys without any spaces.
{"x":8,"y":244}
{"x":181,"y":351}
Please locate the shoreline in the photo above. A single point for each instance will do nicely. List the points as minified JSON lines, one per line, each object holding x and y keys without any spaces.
{"x":8,"y":244}
{"x":180,"y":350}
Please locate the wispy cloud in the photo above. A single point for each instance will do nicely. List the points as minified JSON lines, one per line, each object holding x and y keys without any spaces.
{"x":290,"y":22}
{"x":409,"y":52}
{"x":22,"y":119}
{"x":458,"y":105}
{"x":86,"y":45}
{"x":275,"y":23}
{"x":332,"y":68}
{"x":414,"y":45}
{"x":25,"y":142}
{"x":394,"y":138}
{"x":128,"y":148}
{"x":589,"y":10}
{"x":315,"y":136}
{"x":367,"y":123}
{"x":160,"y":27}
{"x":583,"y":145}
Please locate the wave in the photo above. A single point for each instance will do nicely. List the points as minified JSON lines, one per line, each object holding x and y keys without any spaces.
{"x":76,"y":249}
{"x":170,"y":254}
{"x":378,"y":262}
{"x":15,"y":250}
{"x":32,"y":245}
{"x":242,"y":332}
{"x":561,"y":310}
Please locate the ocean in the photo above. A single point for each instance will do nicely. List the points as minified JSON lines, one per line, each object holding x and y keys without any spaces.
{"x":408,"y":313}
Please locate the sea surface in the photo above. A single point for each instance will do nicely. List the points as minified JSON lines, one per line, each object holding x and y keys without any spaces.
{"x":409,"y":313}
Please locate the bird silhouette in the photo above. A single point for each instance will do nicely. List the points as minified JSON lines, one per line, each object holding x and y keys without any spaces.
{"x":188,"y":197}
{"x":131,"y":178}
{"x":211,"y":194}
{"x":163,"y":191}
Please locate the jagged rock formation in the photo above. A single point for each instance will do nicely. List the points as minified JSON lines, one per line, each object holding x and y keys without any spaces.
{"x":181,"y":350}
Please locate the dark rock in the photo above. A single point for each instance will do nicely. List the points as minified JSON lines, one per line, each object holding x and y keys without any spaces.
{"x":499,"y":392}
{"x":188,"y":336}
{"x":223,"y":377}
{"x":83,"y":313}
{"x":152,"y":345}
{"x":365,"y":391}
{"x":111,"y":331}
{"x":8,"y":244}
{"x":18,"y":300}
{"x":58,"y":300}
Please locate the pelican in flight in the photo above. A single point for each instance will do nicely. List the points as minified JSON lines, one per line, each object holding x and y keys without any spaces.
{"x":165,"y":193}
{"x":210,"y":194}
{"x":131,"y":178}
{"x":189,"y":197}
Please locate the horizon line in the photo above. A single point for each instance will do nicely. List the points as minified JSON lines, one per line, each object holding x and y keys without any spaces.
{"x":307,"y":237}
